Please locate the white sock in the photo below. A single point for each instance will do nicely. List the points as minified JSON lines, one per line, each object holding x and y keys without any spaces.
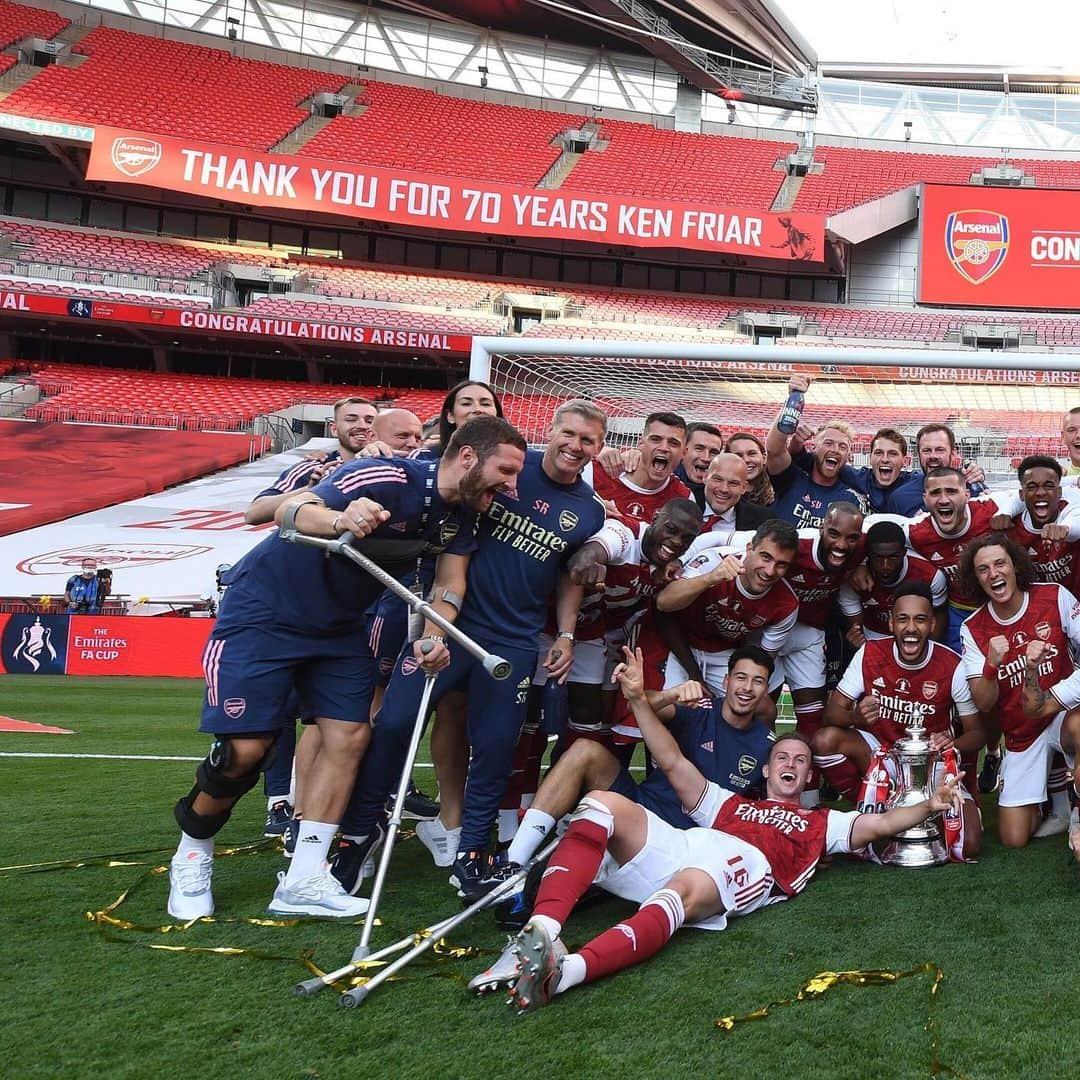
{"x":189,"y":845}
{"x":508,"y":825}
{"x":535,"y":826}
{"x":312,"y":846}
{"x":273,"y":800}
{"x":1059,"y":803}
{"x":552,"y":927}
{"x":573,"y":972}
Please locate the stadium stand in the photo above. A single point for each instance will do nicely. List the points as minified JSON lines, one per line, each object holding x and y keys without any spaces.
{"x":157,"y":85}
{"x":18,"y":22}
{"x":115,"y":464}
{"x":644,"y":161}
{"x":361,"y":315}
{"x":854,"y":176}
{"x":444,"y":134}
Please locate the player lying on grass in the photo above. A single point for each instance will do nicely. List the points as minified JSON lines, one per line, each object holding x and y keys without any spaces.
{"x":747,"y":853}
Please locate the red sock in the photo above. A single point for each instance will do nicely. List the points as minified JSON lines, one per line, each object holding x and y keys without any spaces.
{"x":808,"y":719}
{"x":571,"y":869}
{"x":840,"y":772}
{"x":641,"y":936}
{"x":525,"y":770}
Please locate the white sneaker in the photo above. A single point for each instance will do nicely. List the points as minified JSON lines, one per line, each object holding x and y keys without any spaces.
{"x":189,"y":886}
{"x":502,"y":973}
{"x":439,"y":840}
{"x":320,"y":894}
{"x":1053,"y":825}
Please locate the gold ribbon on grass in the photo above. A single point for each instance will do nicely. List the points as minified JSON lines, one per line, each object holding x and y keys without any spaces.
{"x":825,"y":981}
{"x":113,"y":929}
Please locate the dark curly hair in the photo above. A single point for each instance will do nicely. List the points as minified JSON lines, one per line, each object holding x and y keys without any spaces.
{"x":1021,"y":560}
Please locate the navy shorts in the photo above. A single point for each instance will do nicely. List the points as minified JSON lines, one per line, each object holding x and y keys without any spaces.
{"x":251,"y":672}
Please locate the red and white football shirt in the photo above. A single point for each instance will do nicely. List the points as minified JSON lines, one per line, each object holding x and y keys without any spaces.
{"x":725,"y":614}
{"x":944,"y":552}
{"x":634,"y":501}
{"x":1049,"y":613}
{"x":875,"y":604}
{"x":813,"y":583}
{"x":1055,"y":560}
{"x":792,"y":838}
{"x":929,"y":690}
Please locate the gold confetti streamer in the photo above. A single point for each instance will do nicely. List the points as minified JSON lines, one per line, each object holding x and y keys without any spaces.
{"x":825,"y":981}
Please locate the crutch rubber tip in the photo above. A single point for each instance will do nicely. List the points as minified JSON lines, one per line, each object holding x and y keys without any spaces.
{"x":497,"y":667}
{"x":308,"y":988}
{"x":353,"y":998}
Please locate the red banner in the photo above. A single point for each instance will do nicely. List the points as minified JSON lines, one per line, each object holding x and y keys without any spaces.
{"x":229,"y":322}
{"x":303,"y":184}
{"x":128,"y":645}
{"x":1000,"y":247}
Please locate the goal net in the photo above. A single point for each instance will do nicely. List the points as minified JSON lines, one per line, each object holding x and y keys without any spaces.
{"x":1001,"y":406}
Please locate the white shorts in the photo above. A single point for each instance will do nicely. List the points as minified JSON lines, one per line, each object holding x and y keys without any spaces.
{"x":714,"y":669}
{"x":802,"y":658}
{"x":874,"y":743}
{"x":1024,"y":772}
{"x":741,"y":873}
{"x":588,"y":665}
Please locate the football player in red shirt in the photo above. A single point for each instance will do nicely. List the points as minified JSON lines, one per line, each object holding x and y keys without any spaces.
{"x":890,"y":683}
{"x":745,"y":854}
{"x":1018,"y":611}
{"x":644,"y":478}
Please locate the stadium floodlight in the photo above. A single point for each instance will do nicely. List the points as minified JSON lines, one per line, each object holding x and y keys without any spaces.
{"x":999,"y":405}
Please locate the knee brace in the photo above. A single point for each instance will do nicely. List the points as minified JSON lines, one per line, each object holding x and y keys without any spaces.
{"x":594,"y":810}
{"x":211,"y":779}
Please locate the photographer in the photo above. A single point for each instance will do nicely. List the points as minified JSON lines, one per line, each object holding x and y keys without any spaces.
{"x":86,"y":590}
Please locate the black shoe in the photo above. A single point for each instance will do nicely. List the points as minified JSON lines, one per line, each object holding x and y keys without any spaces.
{"x":290,"y":836}
{"x":277,"y":819}
{"x":350,"y":862}
{"x":418,"y":806}
{"x":988,"y":774}
{"x":513,"y":913}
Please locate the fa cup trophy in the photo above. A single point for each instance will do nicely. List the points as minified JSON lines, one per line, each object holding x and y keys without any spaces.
{"x":914,"y":761}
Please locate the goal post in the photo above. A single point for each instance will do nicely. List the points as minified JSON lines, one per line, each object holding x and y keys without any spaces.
{"x":1001,"y":406}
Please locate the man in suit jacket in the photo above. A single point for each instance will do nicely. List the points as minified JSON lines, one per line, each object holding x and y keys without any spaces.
{"x":726,"y":508}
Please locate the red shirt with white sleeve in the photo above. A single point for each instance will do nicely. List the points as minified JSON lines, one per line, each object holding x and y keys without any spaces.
{"x":1048,"y":613}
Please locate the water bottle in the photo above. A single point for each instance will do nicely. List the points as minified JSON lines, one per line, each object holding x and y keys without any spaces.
{"x":973,"y":489}
{"x":791,"y":413}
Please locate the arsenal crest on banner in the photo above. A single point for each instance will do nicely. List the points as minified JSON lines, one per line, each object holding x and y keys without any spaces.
{"x":976,"y":242}
{"x":134,"y":156}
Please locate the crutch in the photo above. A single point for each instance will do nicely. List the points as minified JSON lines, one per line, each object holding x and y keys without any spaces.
{"x":494,"y":665}
{"x":355,"y":997}
{"x":420,"y":941}
{"x":363,"y":949}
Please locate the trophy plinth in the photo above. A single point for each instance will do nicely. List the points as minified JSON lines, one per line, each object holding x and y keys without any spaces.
{"x":914,"y":760}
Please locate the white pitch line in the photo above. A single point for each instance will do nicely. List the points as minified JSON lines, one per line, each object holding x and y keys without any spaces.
{"x":163,"y":757}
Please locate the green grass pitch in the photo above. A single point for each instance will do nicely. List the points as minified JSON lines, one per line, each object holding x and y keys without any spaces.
{"x":1004,"y":931}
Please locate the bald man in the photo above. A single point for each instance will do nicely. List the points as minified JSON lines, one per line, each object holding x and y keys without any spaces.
{"x":395,"y":433}
{"x":726,"y":509}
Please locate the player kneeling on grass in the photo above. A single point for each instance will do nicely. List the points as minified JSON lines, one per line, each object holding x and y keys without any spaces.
{"x":747,"y":853}
{"x":1061,"y":705}
{"x":891,"y":683}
